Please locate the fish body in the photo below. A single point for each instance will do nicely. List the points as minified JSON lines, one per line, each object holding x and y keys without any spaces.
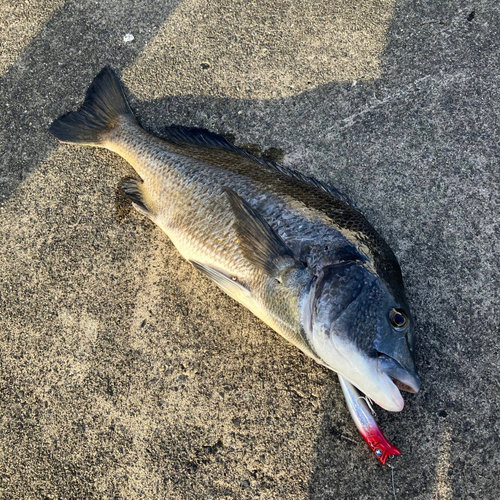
{"x":287,"y":247}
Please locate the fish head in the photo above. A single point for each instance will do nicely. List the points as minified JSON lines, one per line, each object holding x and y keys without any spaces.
{"x":357,"y":327}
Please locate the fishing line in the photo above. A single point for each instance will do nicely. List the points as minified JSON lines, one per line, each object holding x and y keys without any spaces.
{"x":392,"y":479}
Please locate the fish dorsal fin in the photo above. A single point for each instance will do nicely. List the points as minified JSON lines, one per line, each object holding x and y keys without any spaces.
{"x":203,"y":137}
{"x":198,"y":136}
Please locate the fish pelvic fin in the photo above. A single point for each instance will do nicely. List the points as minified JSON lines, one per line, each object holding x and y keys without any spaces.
{"x":227,"y":283}
{"x":105,"y":103}
{"x":134,"y":190}
{"x":260,"y":244}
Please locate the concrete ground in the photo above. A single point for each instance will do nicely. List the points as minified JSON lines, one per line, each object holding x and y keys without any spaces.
{"x":126,"y":374}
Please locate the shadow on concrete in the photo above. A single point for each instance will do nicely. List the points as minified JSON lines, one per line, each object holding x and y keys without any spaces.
{"x":76,"y":42}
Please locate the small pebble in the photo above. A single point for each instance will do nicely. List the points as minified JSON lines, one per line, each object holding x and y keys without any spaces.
{"x":128,"y":38}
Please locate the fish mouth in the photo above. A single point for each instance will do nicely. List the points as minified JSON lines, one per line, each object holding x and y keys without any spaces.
{"x":402,"y":378}
{"x":389,"y":396}
{"x":403,"y":387}
{"x":384,"y":392}
{"x":360,"y":370}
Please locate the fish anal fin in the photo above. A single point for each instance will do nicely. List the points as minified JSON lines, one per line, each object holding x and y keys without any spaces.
{"x":227,"y":283}
{"x":260,"y":244}
{"x":134,"y":191}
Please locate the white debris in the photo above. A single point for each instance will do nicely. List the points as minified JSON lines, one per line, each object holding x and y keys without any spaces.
{"x":128,"y":38}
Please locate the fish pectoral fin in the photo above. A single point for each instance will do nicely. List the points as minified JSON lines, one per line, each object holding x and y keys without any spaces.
{"x":134,"y":190}
{"x":260,"y":244}
{"x":227,"y":283}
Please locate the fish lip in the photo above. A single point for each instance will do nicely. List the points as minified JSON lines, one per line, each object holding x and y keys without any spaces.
{"x":404,"y":379}
{"x":387,"y":395}
{"x":397,"y":398}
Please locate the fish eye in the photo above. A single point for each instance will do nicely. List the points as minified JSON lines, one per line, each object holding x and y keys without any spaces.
{"x":398,"y":318}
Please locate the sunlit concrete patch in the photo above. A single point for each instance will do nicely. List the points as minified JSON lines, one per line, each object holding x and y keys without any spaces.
{"x":121,"y":361}
{"x":19,"y":23}
{"x":149,"y":277}
{"x":269,"y":49}
{"x":64,"y":270}
{"x":443,"y":489}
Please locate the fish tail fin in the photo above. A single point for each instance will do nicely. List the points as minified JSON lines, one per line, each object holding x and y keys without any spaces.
{"x":105,"y":103}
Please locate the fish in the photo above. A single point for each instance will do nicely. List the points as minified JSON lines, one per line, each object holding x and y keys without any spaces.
{"x":290,"y":248}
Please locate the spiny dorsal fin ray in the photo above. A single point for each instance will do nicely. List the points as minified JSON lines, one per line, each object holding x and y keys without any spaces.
{"x":260,"y":244}
{"x":203,"y":137}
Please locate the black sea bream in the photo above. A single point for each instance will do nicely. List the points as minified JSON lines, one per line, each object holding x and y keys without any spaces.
{"x":289,"y":248}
